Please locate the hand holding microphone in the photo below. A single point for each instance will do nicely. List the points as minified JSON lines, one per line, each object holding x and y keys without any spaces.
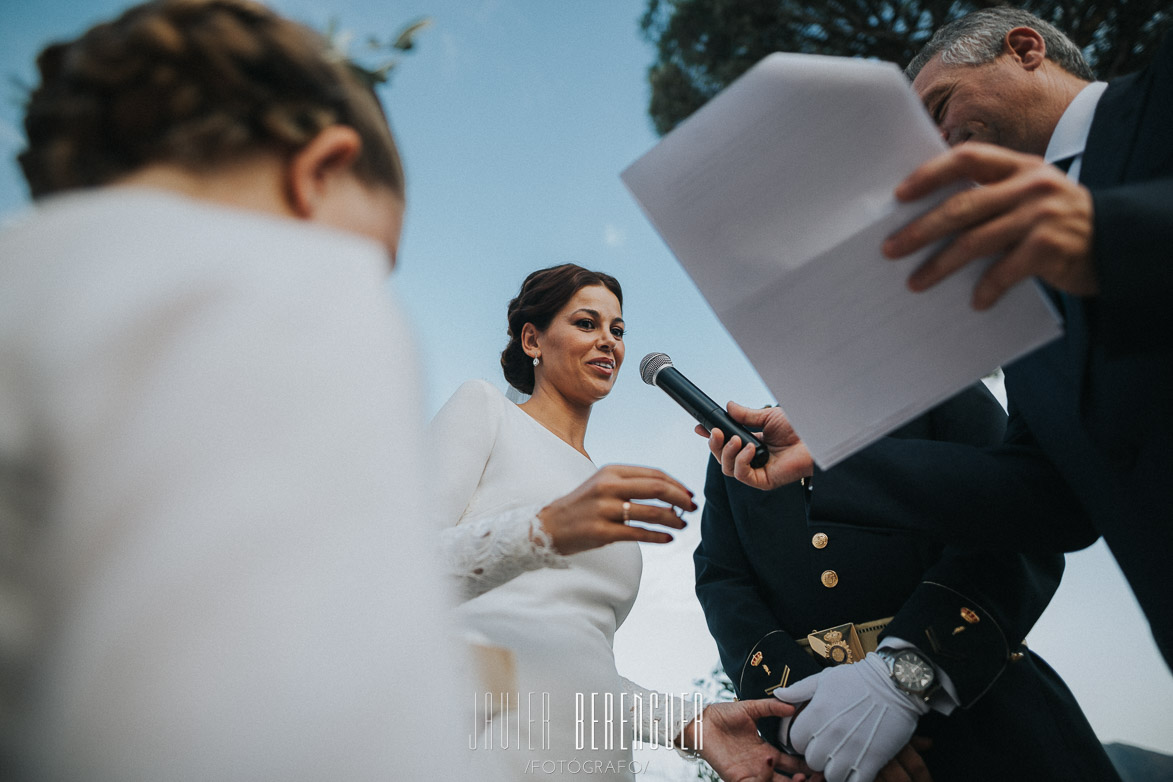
{"x":656,"y":370}
{"x":778,"y":457}
{"x":790,"y":459}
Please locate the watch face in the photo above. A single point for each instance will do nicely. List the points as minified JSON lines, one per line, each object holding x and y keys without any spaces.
{"x":912,"y":672}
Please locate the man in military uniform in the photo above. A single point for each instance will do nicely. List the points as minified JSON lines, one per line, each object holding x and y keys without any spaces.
{"x":790,"y":589}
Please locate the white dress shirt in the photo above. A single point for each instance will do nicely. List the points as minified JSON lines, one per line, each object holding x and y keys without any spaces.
{"x":1070,"y":135}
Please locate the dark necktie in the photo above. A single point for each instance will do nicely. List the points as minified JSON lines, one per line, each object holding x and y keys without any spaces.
{"x":1058,"y":297}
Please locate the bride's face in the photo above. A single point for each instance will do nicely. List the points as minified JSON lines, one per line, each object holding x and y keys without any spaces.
{"x":582,"y":348}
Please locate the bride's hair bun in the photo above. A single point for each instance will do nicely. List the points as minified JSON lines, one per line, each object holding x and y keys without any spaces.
{"x":194,"y":83}
{"x":542,"y":295}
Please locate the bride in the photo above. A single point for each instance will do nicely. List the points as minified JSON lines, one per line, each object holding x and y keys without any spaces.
{"x":549,"y":567}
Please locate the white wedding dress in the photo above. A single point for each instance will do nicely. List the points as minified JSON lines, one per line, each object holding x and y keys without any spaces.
{"x":558,"y":614}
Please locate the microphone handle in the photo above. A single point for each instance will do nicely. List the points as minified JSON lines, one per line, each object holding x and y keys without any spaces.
{"x":708,"y":413}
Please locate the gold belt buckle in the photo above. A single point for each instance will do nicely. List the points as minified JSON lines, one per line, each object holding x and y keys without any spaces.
{"x":839,"y":645}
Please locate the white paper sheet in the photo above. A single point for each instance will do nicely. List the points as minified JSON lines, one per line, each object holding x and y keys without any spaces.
{"x":775,"y":197}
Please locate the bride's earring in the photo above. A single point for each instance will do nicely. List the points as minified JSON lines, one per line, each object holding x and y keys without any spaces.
{"x":537,"y":360}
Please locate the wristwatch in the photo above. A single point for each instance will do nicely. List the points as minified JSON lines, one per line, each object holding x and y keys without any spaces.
{"x":912,"y":672}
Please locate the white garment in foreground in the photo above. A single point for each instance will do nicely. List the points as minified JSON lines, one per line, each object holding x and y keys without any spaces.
{"x":214,"y":566}
{"x":559,"y":618}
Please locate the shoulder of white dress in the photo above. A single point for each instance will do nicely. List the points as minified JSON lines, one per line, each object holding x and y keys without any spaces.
{"x":480,"y":386}
{"x":480,"y":393}
{"x":475,"y":402}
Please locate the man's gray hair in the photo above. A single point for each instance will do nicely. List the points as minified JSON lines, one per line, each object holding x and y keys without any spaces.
{"x":977,"y":38}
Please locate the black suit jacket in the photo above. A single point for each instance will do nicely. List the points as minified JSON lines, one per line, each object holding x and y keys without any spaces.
{"x":1089,"y":447}
{"x":759,"y":582}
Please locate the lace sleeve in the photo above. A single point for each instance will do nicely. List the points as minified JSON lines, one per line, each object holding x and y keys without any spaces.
{"x":485,"y":553}
{"x":657,"y":717}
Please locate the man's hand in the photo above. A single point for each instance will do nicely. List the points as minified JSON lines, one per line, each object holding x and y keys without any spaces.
{"x":1027,"y":210}
{"x":731,"y":745}
{"x":856,"y":720}
{"x":908,"y":765}
{"x":789,"y":458}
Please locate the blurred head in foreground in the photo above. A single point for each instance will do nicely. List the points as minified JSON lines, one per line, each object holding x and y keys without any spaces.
{"x":222,"y":100}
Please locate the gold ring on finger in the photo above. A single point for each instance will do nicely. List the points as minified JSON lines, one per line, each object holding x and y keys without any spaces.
{"x":626,"y":512}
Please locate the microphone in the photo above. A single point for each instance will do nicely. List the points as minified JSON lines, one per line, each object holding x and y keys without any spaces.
{"x":656,"y":369}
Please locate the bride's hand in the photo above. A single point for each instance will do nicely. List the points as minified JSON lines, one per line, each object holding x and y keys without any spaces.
{"x":729,"y":742}
{"x":596,"y":513}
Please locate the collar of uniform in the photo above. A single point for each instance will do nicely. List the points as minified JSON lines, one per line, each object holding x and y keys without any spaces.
{"x":1070,"y":136}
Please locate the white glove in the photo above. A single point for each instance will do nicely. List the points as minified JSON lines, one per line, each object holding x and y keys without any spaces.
{"x":856,"y":721}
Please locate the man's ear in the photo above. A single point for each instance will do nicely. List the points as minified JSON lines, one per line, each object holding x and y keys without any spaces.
{"x":1027,"y":46}
{"x":529,"y":340}
{"x":312,"y":169}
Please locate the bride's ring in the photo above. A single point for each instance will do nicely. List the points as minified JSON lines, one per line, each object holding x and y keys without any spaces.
{"x":626,"y":512}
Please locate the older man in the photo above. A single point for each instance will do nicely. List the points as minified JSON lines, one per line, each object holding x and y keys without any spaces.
{"x":1089,"y":446}
{"x":1077,"y":193}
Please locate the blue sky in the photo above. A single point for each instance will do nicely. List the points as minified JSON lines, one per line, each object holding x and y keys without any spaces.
{"x":515,"y":118}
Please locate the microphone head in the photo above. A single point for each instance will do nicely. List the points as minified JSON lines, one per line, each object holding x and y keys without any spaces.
{"x":651,"y":365}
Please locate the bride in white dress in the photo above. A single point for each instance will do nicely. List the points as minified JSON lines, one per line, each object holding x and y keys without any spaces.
{"x":547,"y":564}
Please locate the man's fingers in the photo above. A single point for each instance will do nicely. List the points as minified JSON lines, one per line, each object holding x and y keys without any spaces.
{"x":911,"y":766}
{"x":1036,"y":217}
{"x":976,"y":161}
{"x":729,"y":455}
{"x":893,"y":772}
{"x":716,"y":443}
{"x":1055,"y":251}
{"x":958,"y":211}
{"x":750,"y":417}
{"x":741,"y":469}
{"x":786,"y":467}
{"x":982,"y":241}
{"x":973,"y":207}
{"x":790,"y":764}
{"x":1002,"y":275}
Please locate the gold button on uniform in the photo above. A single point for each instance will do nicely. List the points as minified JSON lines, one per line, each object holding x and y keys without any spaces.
{"x":829,"y":578}
{"x":819,"y":540}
